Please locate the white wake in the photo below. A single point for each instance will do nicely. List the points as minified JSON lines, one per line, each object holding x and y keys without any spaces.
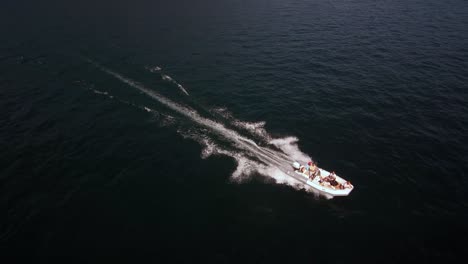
{"x":167,"y":78}
{"x":250,"y":157}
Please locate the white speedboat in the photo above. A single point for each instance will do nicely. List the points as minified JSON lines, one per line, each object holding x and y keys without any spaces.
{"x":323,"y":181}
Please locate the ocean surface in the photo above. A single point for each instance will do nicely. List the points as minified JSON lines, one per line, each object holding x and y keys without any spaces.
{"x":151,"y":130}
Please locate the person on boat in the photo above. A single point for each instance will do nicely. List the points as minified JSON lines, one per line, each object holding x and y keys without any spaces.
{"x":331,"y":177}
{"x":307,"y":168}
{"x":334,"y":183}
{"x":302,"y":169}
{"x":313,"y":170}
{"x":347,"y":185}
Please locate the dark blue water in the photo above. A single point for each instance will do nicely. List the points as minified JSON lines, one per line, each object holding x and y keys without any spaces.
{"x":102,"y":156}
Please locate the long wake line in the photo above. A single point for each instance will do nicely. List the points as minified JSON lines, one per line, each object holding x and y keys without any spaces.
{"x":268,"y":156}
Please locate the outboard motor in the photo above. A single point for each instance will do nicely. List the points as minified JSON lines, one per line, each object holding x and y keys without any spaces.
{"x":296,"y":165}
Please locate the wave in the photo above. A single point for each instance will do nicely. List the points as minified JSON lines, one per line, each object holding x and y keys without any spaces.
{"x":100,"y":92}
{"x":182,"y":89}
{"x":254,"y":128}
{"x":153,"y":68}
{"x":223,"y":112}
{"x":169,"y":79}
{"x":289,"y":146}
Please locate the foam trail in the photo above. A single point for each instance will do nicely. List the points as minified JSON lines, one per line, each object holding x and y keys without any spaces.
{"x":267,"y":157}
{"x":222,"y":111}
{"x":256,"y":128}
{"x":245,"y":164}
{"x":100,"y":92}
{"x":182,"y":89}
{"x":153,"y":69}
{"x":192,"y":114}
{"x":169,"y":79}
{"x":289,"y":146}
